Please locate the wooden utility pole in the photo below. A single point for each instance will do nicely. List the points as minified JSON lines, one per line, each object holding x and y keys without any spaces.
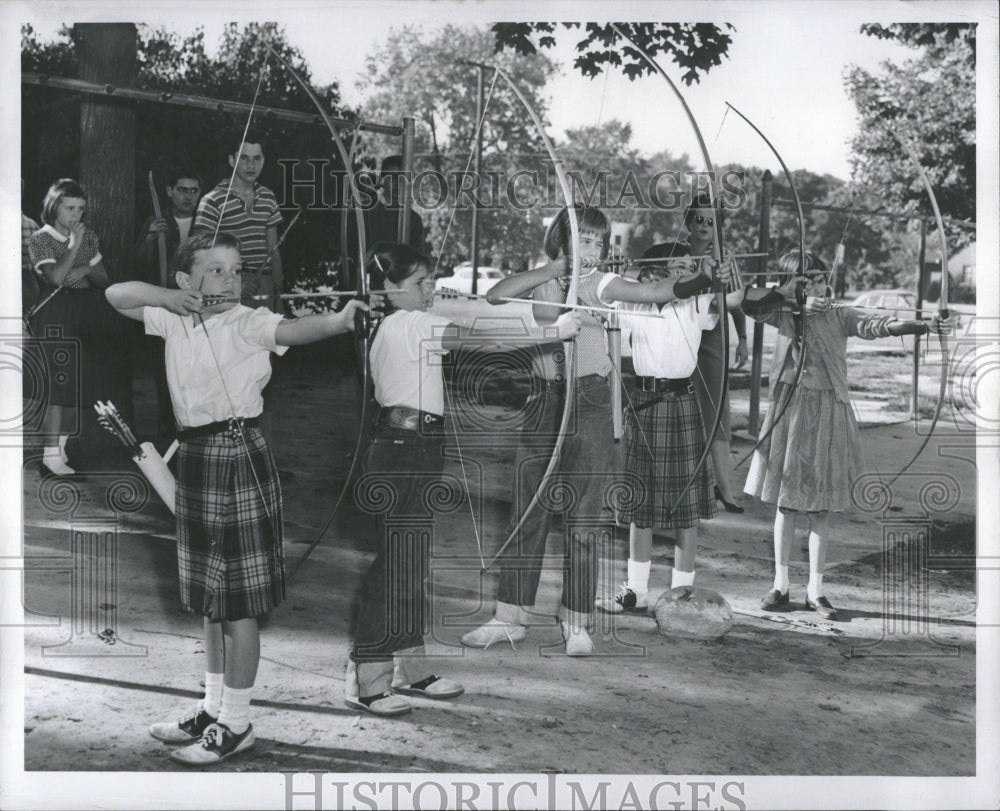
{"x":107,"y":54}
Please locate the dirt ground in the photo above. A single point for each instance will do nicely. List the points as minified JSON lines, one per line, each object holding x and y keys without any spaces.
{"x":888,"y":689}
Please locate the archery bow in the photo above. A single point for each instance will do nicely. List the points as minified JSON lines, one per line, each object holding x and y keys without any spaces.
{"x":799,"y":291}
{"x":942,"y":305}
{"x":719,"y":290}
{"x":363,"y":322}
{"x":161,"y":238}
{"x":571,"y":299}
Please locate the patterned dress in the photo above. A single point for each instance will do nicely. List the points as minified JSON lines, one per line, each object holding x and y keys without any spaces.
{"x":814,"y":454}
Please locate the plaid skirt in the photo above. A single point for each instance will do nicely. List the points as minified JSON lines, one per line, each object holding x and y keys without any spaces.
{"x":662,"y":445}
{"x":229,"y":548}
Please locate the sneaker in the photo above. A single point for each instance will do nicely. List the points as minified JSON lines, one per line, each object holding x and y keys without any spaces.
{"x":626,"y":600}
{"x":189,"y":728}
{"x":54,"y":463}
{"x":495,"y":631}
{"x":217,"y":743}
{"x":431,"y":687}
{"x":385,"y":705}
{"x":578,"y":641}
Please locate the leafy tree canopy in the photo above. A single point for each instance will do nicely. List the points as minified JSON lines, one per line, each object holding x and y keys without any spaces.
{"x":694,"y":47}
{"x":929,"y":103}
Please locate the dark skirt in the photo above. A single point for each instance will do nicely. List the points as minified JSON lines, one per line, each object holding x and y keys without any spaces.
{"x":708,"y":378}
{"x":229,"y":548}
{"x":72,"y":332}
{"x":662,"y":446}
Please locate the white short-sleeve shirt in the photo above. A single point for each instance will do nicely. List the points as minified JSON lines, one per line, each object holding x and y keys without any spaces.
{"x":238,"y":343}
{"x":667,"y":345}
{"x":406,"y":360}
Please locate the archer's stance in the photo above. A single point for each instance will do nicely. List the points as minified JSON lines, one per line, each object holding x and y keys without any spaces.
{"x":229,"y":545}
{"x":812,"y":454}
{"x":587,"y":457}
{"x":406,"y":459}
{"x":665,"y":437}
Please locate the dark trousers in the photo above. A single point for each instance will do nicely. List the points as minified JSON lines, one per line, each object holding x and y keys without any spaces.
{"x":402,"y":471}
{"x":579,"y":489}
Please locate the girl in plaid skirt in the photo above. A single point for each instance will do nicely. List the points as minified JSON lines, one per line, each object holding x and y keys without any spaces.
{"x":229,"y":545}
{"x":665,"y":435}
{"x":812,"y":452}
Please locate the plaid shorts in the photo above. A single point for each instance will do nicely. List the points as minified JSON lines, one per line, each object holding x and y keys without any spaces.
{"x":229,"y":550}
{"x":662,"y":445}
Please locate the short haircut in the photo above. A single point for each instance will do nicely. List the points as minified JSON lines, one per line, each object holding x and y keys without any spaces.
{"x":177,"y":172}
{"x":559,"y":236}
{"x":202,"y":241}
{"x":789,"y":263}
{"x":252,"y":136}
{"x":666,"y":250}
{"x":64,"y":187}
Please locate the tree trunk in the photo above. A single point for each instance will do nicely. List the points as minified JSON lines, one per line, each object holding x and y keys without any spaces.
{"x":107,"y":54}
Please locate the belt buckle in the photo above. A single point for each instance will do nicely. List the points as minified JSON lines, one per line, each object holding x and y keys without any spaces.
{"x":235,"y":428}
{"x":403,"y":418}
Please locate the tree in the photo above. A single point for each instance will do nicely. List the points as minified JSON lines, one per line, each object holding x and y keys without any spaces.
{"x":929,"y":102}
{"x":695,"y":47}
{"x":427,"y":76}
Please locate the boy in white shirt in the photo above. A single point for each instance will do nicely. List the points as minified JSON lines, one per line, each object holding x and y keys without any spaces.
{"x":229,"y":544}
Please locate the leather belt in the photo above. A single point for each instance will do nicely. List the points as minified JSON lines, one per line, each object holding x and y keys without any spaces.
{"x":222,"y":426}
{"x":664,"y":384}
{"x":405,"y":418}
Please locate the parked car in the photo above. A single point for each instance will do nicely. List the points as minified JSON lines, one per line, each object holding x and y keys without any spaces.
{"x":901,"y":302}
{"x":461,"y":280}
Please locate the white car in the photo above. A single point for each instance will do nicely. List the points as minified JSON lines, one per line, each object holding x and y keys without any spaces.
{"x":461,"y":280}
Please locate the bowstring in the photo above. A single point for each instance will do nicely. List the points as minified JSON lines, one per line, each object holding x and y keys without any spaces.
{"x":475,"y":135}
{"x":201,"y":318}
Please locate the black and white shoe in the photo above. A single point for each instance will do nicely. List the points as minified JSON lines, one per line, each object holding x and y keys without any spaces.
{"x":185,"y":730}
{"x":625,"y":601}
{"x":217,"y":743}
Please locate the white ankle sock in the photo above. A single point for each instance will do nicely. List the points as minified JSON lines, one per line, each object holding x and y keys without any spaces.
{"x":213,"y":694}
{"x":781,"y":579}
{"x":679,"y":578}
{"x":815,"y":587}
{"x":638,"y":575}
{"x":62,"y":446}
{"x":235,"y":711}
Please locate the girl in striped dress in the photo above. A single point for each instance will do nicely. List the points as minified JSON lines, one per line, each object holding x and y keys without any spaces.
{"x":813,"y":453}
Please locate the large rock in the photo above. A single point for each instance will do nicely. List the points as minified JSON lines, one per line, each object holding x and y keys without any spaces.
{"x":692,"y":612}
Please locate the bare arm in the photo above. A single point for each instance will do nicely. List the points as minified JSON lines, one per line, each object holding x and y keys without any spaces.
{"x":97,"y":275}
{"x":564,"y":328}
{"x":521,"y":284}
{"x":129,"y":298}
{"x":312,"y":328}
